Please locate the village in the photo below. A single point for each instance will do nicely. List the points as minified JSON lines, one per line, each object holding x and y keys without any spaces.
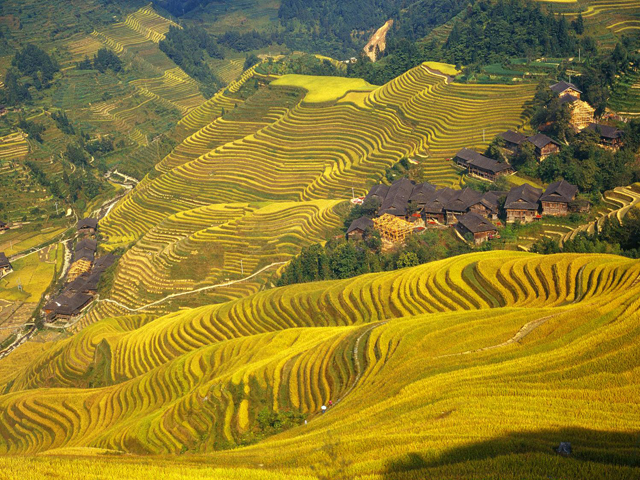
{"x":404,"y":207}
{"x":83,"y":277}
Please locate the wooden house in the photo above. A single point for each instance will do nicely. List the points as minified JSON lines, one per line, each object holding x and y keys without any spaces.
{"x":563,"y":88}
{"x":479,"y":227}
{"x":544,"y":145}
{"x":433,"y":210}
{"x":522,"y":204}
{"x":512,"y":140}
{"x":358,"y":227}
{"x":582,"y":114}
{"x":556,"y":198}
{"x":377,"y":194}
{"x":66,"y":305}
{"x":488,"y":168}
{"x":87,"y":226}
{"x":480,"y":166}
{"x":396,"y":202}
{"x":464,"y":156}
{"x":610,"y":137}
{"x":3,"y":226}
{"x":421,"y":194}
{"x":5,"y":265}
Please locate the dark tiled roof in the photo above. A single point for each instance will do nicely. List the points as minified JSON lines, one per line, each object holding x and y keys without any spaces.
{"x":397,"y":199}
{"x":88,"y":223}
{"x":378,"y":191}
{"x":559,"y":191}
{"x":4,"y":261}
{"x":436,"y":203}
{"x":490,"y":200}
{"x":562,"y":86}
{"x":568,"y":99}
{"x":476,"y":223}
{"x":105,"y":262}
{"x":422,"y":193}
{"x":513,"y":137}
{"x":85,"y":249}
{"x":489,"y":165}
{"x":361,"y":223}
{"x":468,"y":155}
{"x":78,"y":285}
{"x":605,"y":131}
{"x":524,"y":197}
{"x":87,"y":244}
{"x":463,"y":200}
{"x":540,"y":140}
{"x":67,"y":304}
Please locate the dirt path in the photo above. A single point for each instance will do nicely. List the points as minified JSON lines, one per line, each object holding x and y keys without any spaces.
{"x":168,"y":297}
{"x":356,"y":359}
{"x":522,"y":333}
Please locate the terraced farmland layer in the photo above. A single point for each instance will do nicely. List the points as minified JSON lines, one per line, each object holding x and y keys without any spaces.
{"x":625,"y":98}
{"x":213,"y":244}
{"x":471,"y":359}
{"x":620,"y":199}
{"x":13,"y":146}
{"x":273,"y":148}
{"x":154,"y":97}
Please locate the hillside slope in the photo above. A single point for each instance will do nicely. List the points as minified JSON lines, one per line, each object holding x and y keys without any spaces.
{"x":467,"y":359}
{"x":289,"y":152}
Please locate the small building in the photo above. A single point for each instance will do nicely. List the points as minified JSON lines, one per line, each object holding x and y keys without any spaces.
{"x":544,"y":145}
{"x":66,"y":305}
{"x":87,"y":226}
{"x":582,"y":114}
{"x":377,"y":194}
{"x":461,"y":203}
{"x":3,"y":226}
{"x":563,"y":88}
{"x":556,"y":198}
{"x":522,"y":204}
{"x":85,"y":250}
{"x":433,"y":210}
{"x":609,"y":136}
{"x":512,"y":140}
{"x":488,"y":168}
{"x":464,"y":156}
{"x":394,"y":229}
{"x":358,"y":227}
{"x":420,"y":196}
{"x":5,"y":265}
{"x":396,"y":202}
{"x":478,"y":226}
{"x":480,"y":166}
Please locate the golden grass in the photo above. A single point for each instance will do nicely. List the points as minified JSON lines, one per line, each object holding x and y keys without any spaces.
{"x":324,"y":89}
{"x":457,"y":360}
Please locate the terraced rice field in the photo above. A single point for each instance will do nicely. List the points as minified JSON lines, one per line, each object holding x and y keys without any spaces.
{"x":275,"y":148}
{"x":625,"y":98}
{"x":156,"y":87}
{"x":500,"y":353}
{"x":13,"y":146}
{"x":620,"y":199}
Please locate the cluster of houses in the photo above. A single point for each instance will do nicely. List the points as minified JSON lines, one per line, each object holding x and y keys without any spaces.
{"x":471,"y":212}
{"x":582,"y":119}
{"x":582,"y":115}
{"x":83,"y":276}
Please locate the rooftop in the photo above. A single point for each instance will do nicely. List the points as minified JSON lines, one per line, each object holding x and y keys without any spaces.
{"x":563,"y":86}
{"x":560,"y":191}
{"x":523,"y":197}
{"x":476,"y":223}
{"x":513,"y":137}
